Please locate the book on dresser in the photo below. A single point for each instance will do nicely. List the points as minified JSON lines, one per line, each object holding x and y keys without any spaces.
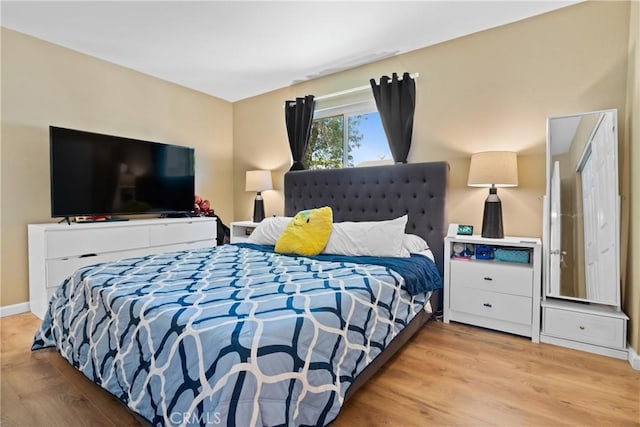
{"x":57,"y":250}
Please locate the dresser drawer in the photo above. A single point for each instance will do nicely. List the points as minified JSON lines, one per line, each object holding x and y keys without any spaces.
{"x":83,"y":241}
{"x":493,"y":277}
{"x":59,"y":269}
{"x":169,"y":234}
{"x":511,"y":308}
{"x":593,"y":329}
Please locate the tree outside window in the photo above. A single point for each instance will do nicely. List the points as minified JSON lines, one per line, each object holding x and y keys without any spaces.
{"x":330,"y":147}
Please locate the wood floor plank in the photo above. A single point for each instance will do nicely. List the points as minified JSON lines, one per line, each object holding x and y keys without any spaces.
{"x":454,"y":375}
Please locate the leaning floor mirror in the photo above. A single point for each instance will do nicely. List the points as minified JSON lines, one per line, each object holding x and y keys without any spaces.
{"x":581,"y":303}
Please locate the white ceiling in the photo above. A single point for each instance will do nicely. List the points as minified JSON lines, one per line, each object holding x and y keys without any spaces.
{"x":238,"y":49}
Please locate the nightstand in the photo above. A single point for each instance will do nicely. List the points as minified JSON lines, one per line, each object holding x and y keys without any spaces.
{"x":241,"y":230}
{"x":493,"y":283}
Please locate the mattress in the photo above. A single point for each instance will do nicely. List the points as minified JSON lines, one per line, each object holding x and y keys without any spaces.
{"x":231,"y":335}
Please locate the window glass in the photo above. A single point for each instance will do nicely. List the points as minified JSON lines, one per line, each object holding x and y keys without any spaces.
{"x":326,"y":144}
{"x":346,"y":140}
{"x":372,"y":142}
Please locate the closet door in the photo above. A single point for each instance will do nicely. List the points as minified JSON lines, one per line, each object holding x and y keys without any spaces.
{"x":601,"y":211}
{"x":590,"y":229}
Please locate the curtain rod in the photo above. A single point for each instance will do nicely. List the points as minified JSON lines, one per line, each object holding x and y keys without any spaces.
{"x":355,"y":89}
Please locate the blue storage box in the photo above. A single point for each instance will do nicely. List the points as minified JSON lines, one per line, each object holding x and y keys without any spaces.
{"x":484,"y":252}
{"x":512,"y":255}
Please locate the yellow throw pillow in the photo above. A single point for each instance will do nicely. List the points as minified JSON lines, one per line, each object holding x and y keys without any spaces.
{"x":307,"y":234}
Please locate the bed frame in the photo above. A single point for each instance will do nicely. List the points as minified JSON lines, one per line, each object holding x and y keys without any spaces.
{"x":378,"y":193}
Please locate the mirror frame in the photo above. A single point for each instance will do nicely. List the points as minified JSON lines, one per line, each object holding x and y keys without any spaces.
{"x":546,"y":234}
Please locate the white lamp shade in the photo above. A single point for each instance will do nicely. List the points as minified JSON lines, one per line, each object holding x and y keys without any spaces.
{"x":259,"y":180}
{"x":499,"y":168}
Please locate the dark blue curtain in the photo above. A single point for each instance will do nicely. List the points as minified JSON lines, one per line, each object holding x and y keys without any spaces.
{"x":298,"y":116}
{"x":396,"y":102}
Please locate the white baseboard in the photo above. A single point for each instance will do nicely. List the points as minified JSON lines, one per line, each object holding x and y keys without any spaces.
{"x":634,"y":358}
{"x":10,"y":310}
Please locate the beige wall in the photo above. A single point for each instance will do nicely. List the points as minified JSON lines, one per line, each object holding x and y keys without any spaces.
{"x":44,"y":84}
{"x":632,"y":122}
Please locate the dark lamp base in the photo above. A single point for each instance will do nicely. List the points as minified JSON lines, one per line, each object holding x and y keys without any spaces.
{"x":258,"y":209}
{"x":492,"y":218}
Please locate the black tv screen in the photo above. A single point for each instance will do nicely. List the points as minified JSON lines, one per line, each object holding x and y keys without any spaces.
{"x":94,"y":174}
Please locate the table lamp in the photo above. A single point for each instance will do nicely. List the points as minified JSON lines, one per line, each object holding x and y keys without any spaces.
{"x":258,"y":180}
{"x":493,"y":169}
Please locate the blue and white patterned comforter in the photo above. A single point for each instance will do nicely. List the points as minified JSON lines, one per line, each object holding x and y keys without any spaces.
{"x":228,"y":335}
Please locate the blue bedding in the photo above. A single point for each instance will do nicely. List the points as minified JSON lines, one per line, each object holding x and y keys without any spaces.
{"x":420,"y":273}
{"x":231,"y":335}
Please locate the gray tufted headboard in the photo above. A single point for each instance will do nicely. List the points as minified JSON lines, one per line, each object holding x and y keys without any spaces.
{"x":378,"y":193}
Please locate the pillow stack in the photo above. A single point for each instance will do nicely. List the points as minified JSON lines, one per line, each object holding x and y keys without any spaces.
{"x":305,"y":234}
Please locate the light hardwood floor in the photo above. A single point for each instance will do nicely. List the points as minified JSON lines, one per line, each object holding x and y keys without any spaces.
{"x":447,"y":375}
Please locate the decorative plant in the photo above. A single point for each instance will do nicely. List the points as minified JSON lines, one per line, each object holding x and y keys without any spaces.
{"x":202,"y":207}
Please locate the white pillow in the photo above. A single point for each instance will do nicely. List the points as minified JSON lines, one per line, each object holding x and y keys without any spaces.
{"x":269,"y":229}
{"x":414,"y":244}
{"x":427,"y":253}
{"x":368,"y":238}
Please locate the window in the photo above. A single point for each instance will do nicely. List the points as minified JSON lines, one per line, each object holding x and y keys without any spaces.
{"x":346,"y":136}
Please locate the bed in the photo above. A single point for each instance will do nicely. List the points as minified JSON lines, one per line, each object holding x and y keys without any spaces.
{"x":241,"y":335}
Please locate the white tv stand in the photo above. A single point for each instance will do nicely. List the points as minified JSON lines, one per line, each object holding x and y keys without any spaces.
{"x":57,"y":250}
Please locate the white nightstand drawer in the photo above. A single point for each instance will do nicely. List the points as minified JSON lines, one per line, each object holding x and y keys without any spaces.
{"x":493,"y":277}
{"x":589,"y":328}
{"x":512,"y":308}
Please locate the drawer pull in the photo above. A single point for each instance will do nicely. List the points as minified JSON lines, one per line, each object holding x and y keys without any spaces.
{"x":87,"y":255}
{"x":581,"y":327}
{"x":488,"y":278}
{"x":486,"y":304}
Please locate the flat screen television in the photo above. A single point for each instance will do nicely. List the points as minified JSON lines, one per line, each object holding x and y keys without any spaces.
{"x":94,"y":174}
